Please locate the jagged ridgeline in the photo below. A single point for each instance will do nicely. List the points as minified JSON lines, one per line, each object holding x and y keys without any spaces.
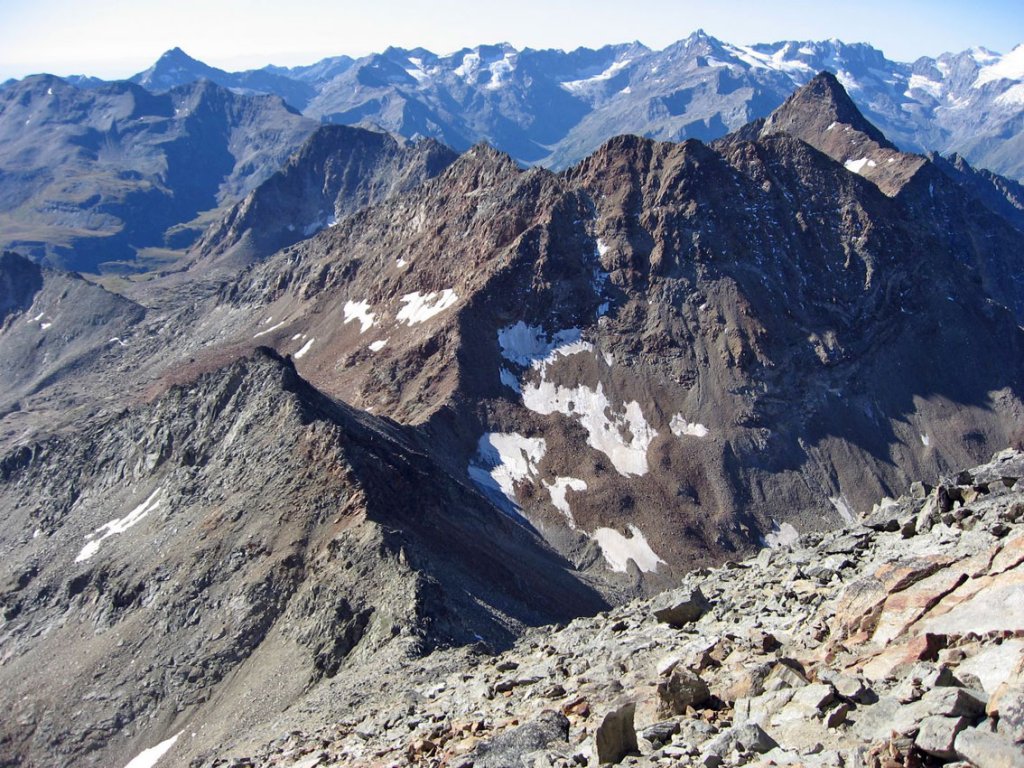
{"x":126,"y":176}
{"x":479,"y":399}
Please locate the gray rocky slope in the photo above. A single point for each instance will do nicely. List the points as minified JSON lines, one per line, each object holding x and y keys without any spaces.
{"x":895,"y":641}
{"x":563,"y":390}
{"x":225,"y":547}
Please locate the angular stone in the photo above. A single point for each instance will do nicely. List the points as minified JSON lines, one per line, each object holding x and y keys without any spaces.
{"x":660,"y":733}
{"x":937,"y":735}
{"x":752,"y":738}
{"x":682,"y":689}
{"x":783,"y":676}
{"x":549,"y":727}
{"x":988,"y":750}
{"x":808,"y":703}
{"x":684,"y":611}
{"x":761,"y":709}
{"x":616,"y":735}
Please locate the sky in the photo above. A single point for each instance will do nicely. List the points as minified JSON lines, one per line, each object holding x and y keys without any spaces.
{"x":116,"y":38}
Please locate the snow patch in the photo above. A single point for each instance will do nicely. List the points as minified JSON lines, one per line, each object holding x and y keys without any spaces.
{"x":377,"y":346}
{"x":1013,"y":97}
{"x":401,"y":263}
{"x":926,"y":441}
{"x":618,"y":550}
{"x":509,"y":380}
{"x":118,"y":340}
{"x":681,"y":426}
{"x":268,"y":330}
{"x":147,"y":758}
{"x":1008,"y":67}
{"x":929,"y":86}
{"x":119,"y":525}
{"x":305,"y":348}
{"x":44,"y":326}
{"x":623,"y":437}
{"x":359,"y":310}
{"x":504,"y":459}
{"x":577,"y":85}
{"x":531,"y":345}
{"x":558,"y":491}
{"x":500,"y":71}
{"x":857,"y":166}
{"x":784,"y":535}
{"x":420,"y":308}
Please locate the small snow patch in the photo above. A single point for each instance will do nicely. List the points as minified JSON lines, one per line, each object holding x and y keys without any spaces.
{"x":268,"y":330}
{"x":624,"y":437}
{"x":118,"y":340}
{"x":681,"y":426}
{"x":359,"y":310}
{"x":504,"y":459}
{"x":783,"y":535}
{"x":148,"y":758}
{"x":119,"y":525}
{"x":926,"y":441}
{"x":44,"y":326}
{"x":558,"y":490}
{"x":857,"y":166}
{"x":377,"y":346}
{"x":305,"y":348}
{"x":420,"y":308}
{"x":531,"y":345}
{"x":401,"y":263}
{"x":618,"y":550}
{"x":843,"y":507}
{"x":509,"y":379}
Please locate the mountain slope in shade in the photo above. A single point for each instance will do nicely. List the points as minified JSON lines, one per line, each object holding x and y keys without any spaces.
{"x":335,"y":173}
{"x":227,"y":546}
{"x":89,"y":177}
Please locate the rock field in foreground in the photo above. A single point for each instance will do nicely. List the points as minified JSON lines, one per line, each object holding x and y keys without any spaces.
{"x":898,"y":641}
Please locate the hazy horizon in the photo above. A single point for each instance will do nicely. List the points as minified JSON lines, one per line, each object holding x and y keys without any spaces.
{"x":111,"y":39}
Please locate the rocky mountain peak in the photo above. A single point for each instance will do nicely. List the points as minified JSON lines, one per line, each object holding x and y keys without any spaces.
{"x":818,"y":108}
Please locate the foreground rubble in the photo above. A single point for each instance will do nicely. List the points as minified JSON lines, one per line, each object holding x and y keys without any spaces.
{"x":898,"y":641}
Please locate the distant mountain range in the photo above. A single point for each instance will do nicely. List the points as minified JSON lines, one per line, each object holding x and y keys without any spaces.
{"x":97,"y":176}
{"x":553,"y":107}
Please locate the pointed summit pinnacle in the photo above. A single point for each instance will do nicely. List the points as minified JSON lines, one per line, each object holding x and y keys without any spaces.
{"x":816,"y":109}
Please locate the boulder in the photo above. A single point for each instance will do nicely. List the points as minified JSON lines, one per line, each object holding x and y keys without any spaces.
{"x":616,"y":735}
{"x":988,"y":750}
{"x":684,"y":611}
{"x":937,"y":735}
{"x":680,"y":690}
{"x":1007,"y":705}
{"x":505,"y":749}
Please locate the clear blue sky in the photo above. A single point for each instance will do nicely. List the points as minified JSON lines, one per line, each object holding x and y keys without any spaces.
{"x":116,"y":38}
